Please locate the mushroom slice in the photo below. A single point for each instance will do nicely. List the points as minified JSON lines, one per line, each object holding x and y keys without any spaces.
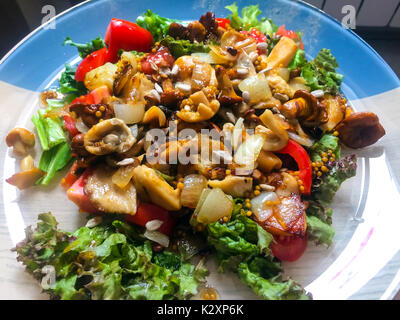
{"x":204,"y":109}
{"x":152,"y":187}
{"x":234,"y":185}
{"x":108,"y":136}
{"x":107,"y":196}
{"x":305,"y":107}
{"x":170,"y":97}
{"x":335,"y":108}
{"x":227,"y":94}
{"x":276,"y":137}
{"x":20,"y":139}
{"x":28,"y":176}
{"x":155,"y":116}
{"x":268,"y":161}
{"x":360,"y":129}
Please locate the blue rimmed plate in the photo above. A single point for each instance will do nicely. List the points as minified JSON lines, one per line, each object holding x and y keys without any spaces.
{"x":363,"y":262}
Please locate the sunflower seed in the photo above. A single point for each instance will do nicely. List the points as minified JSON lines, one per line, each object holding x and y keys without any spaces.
{"x":158,"y":88}
{"x":317,"y":93}
{"x":262,"y":46}
{"x":242,"y":71}
{"x":246,"y":96}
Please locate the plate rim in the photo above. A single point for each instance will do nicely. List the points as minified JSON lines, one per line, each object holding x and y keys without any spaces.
{"x":300,"y":2}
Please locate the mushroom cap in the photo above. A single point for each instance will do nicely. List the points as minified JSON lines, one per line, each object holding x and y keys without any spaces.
{"x":313,"y":110}
{"x":96,"y":141}
{"x":20,"y":135}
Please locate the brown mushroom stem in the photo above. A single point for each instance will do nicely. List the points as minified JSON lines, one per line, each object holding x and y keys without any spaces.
{"x":227,"y":95}
{"x":305,"y":107}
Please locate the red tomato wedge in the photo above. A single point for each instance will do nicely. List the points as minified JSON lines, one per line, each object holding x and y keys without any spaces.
{"x":223,"y":22}
{"x":99,"y":94}
{"x":76,"y":193}
{"x":256,"y":35}
{"x":290,"y":34}
{"x":300,"y":155}
{"x":289,"y":248}
{"x":128,"y":36}
{"x":69,"y":125}
{"x":161,"y":58}
{"x":147,"y":212}
{"x":71,"y":176}
{"x":92,"y":61}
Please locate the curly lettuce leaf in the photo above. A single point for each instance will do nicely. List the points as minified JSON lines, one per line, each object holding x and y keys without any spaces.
{"x":157,"y":25}
{"x":327,"y":142}
{"x":85,"y":49}
{"x":270,"y":289}
{"x":68,"y":84}
{"x":102,"y":263}
{"x":249,"y":19}
{"x":330,"y":183}
{"x":320,"y":73}
{"x":180,"y":48}
{"x":242,"y":246}
{"x":298,"y":60}
{"x":319,"y":231}
{"x":324,"y":188}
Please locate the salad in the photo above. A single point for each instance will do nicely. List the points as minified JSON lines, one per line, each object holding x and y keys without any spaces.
{"x":184,"y":142}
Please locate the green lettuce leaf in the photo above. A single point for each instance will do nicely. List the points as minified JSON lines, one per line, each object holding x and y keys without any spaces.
{"x":103,"y":263}
{"x":85,"y":49}
{"x":53,"y":160}
{"x":298,"y":60}
{"x":157,"y":25}
{"x":180,"y":48}
{"x":242,"y":246}
{"x":49,"y":129}
{"x":270,"y":289}
{"x":320,"y":73}
{"x":249,"y":19}
{"x":327,"y":142}
{"x":69,"y":85}
{"x":319,"y":231}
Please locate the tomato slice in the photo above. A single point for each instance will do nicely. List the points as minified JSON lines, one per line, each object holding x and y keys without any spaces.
{"x":290,"y":34}
{"x":289,"y":248}
{"x":86,"y":99}
{"x":76,"y":193}
{"x":99,"y":94}
{"x":147,"y":212}
{"x":92,"y":61}
{"x":223,"y":22}
{"x":69,"y":125}
{"x":161,"y":58}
